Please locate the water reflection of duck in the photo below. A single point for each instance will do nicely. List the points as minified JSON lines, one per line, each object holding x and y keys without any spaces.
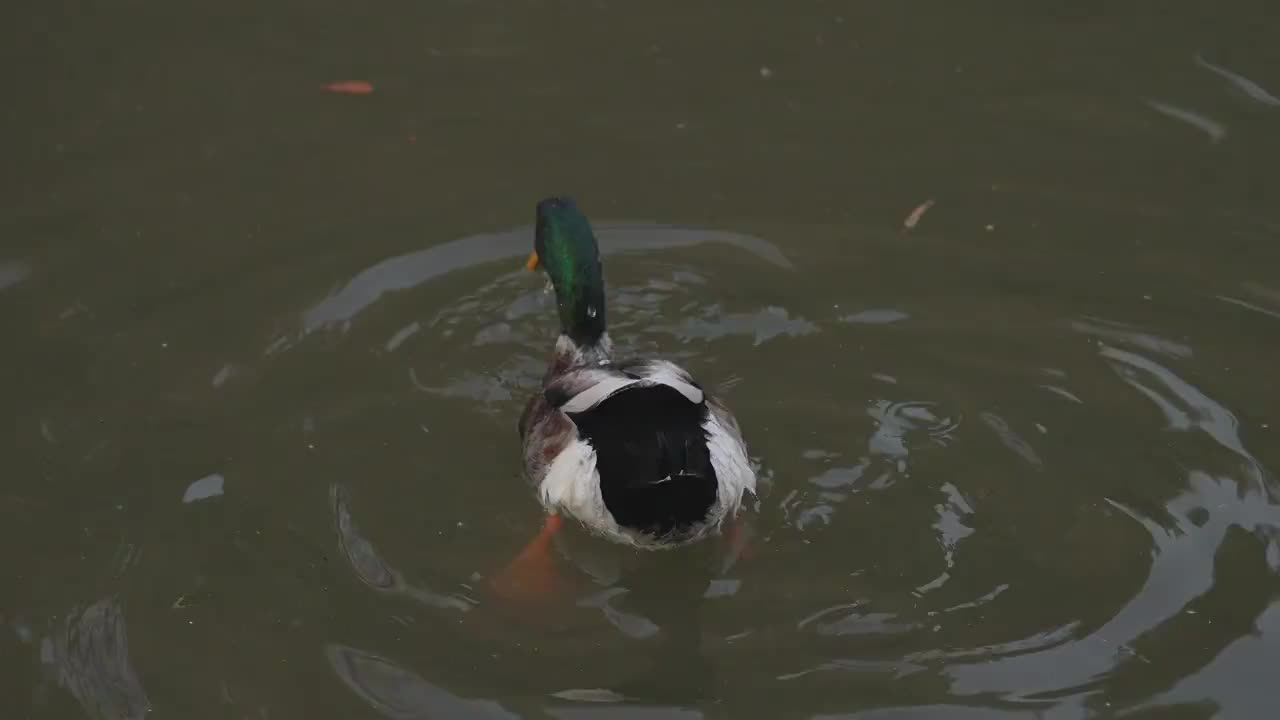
{"x":633,"y":449}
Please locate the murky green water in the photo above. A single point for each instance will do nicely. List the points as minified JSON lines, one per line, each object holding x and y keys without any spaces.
{"x":265,"y":348}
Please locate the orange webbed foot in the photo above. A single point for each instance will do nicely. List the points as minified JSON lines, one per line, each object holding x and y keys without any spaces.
{"x":740,"y":539}
{"x":531,"y":577}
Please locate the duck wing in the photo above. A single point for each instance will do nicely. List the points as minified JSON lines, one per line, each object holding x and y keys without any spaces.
{"x":645,"y":425}
{"x":578,"y":391}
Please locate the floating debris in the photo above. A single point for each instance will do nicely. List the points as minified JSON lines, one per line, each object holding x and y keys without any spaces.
{"x":914,"y":218}
{"x":206,"y":487}
{"x":350,"y":87}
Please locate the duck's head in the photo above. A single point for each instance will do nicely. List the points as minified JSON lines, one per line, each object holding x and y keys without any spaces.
{"x":565,"y":248}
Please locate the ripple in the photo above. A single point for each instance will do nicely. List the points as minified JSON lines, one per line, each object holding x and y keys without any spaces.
{"x":919,"y":586}
{"x":1214,"y":129}
{"x":404,"y":333}
{"x":1185,"y":408}
{"x":884,"y":316}
{"x":399,"y":693}
{"x":953,"y":712}
{"x":951,"y":530}
{"x":591,"y":695}
{"x":418,"y":267}
{"x":1038,"y":641}
{"x":897,"y":426}
{"x":629,"y":712}
{"x":488,"y":346}
{"x":1062,"y":392}
{"x":630,"y":624}
{"x":852,"y":622}
{"x":897,"y":669}
{"x":1130,"y":335}
{"x":369,"y":566}
{"x":1011,"y":439}
{"x":1249,"y":306}
{"x":1251,"y":89}
{"x":1238,"y":681}
{"x":89,"y":654}
{"x":763,"y":325}
{"x":1182,"y":569}
{"x":897,"y":422}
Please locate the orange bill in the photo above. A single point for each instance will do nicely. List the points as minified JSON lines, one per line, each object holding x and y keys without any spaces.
{"x":532,"y":262}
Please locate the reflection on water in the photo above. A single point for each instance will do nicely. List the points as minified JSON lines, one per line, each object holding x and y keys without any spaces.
{"x":1059,"y":665}
{"x":897,"y":426}
{"x":1238,"y":680}
{"x":951,"y":530}
{"x":1182,"y":570}
{"x":1185,"y":408}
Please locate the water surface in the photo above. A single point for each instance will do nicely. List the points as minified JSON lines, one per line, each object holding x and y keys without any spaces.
{"x":266,"y":348}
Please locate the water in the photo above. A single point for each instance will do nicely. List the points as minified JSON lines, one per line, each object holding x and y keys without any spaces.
{"x":266,"y":347}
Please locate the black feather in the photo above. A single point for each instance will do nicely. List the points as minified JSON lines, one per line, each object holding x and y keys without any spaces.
{"x":651,"y":452}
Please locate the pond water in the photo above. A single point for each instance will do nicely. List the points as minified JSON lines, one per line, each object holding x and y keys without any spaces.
{"x":266,"y":347}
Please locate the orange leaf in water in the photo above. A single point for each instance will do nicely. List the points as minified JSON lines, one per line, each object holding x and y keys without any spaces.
{"x":350,"y":87}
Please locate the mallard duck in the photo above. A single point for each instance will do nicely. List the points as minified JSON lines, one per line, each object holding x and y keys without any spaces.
{"x":635,"y":449}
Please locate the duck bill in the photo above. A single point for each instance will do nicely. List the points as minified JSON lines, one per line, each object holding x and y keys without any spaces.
{"x":532,"y":262}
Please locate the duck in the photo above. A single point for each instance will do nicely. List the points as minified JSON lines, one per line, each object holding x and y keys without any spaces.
{"x":634,"y":449}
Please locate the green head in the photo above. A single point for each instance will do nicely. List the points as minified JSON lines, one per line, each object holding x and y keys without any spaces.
{"x":566,"y":249}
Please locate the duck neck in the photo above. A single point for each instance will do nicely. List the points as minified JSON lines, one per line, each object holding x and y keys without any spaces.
{"x":580,"y":302}
{"x":571,"y":354}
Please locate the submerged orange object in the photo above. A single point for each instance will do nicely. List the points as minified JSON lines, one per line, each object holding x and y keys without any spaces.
{"x":531,"y":577}
{"x":350,"y":87}
{"x":532,"y":262}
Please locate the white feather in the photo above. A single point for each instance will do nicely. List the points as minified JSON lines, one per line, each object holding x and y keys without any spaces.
{"x":593,"y":395}
{"x":670,"y":374}
{"x":733,"y":470}
{"x":572,"y":486}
